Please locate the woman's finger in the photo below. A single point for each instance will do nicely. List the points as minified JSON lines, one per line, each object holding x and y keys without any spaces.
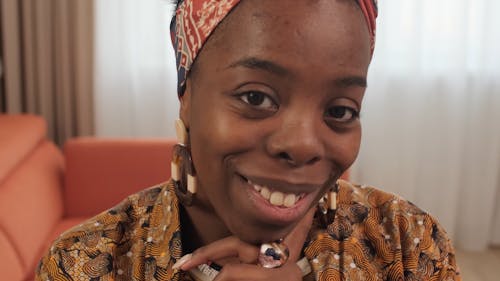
{"x":248,"y":272}
{"x":233,"y":247}
{"x":230,"y":247}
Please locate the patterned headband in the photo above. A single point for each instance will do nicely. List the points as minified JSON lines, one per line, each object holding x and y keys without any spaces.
{"x":195,"y":20}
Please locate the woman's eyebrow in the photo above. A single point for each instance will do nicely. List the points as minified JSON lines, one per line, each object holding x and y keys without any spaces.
{"x":272,"y":67}
{"x":349,"y":81}
{"x":256,"y":63}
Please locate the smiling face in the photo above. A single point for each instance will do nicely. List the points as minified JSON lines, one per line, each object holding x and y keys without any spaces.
{"x":272,"y":108}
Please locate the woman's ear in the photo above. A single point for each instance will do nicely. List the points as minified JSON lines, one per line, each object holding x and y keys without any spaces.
{"x":185,"y":108}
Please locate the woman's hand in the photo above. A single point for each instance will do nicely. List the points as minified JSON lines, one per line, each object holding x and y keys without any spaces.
{"x":240,"y":259}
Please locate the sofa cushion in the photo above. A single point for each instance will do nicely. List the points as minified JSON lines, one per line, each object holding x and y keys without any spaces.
{"x":31,"y":202}
{"x":10,"y":263}
{"x":19,"y":135}
{"x":101,"y":172}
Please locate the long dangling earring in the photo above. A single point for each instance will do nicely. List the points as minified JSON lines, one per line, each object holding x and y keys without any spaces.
{"x":327,"y":205}
{"x":183,"y":172}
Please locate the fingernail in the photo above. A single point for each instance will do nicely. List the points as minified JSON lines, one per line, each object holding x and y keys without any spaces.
{"x":182,"y":261}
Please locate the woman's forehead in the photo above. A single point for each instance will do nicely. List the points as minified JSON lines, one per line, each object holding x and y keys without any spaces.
{"x":304,"y":50}
{"x":321,"y":32}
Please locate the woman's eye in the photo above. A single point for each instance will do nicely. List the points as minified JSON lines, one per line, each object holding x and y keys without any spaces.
{"x":258,"y":99}
{"x":342,"y":114}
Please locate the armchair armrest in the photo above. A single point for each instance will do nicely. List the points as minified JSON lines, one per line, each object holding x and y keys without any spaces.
{"x":102,"y":172}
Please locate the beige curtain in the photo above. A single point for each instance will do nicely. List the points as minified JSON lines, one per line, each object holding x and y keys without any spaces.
{"x":47,"y":56}
{"x":431,"y":114}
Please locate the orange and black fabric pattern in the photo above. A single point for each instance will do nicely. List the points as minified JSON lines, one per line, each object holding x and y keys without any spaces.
{"x":374,"y":236}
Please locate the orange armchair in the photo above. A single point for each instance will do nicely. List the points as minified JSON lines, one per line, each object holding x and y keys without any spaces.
{"x":44,"y":191}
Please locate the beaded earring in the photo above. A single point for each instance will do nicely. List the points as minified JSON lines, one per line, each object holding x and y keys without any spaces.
{"x":327,"y":205}
{"x":182,"y":170}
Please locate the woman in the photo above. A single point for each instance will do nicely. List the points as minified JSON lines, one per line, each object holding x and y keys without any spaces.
{"x":270,"y":93}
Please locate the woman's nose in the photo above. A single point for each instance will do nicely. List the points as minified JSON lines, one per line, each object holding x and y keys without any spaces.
{"x":296,"y":142}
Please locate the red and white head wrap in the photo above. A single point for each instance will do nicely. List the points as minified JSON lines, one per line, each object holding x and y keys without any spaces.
{"x":195,"y":20}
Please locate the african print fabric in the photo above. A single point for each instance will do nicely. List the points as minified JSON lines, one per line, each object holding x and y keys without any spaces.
{"x":374,"y":236}
{"x":195,"y":20}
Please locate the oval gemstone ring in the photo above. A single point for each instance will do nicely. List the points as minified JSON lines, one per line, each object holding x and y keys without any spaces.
{"x":274,"y":254}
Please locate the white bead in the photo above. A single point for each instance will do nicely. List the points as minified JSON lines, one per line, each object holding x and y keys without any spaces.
{"x":332,"y":200}
{"x":181,"y":132}
{"x":175,"y":171}
{"x":191,"y":186}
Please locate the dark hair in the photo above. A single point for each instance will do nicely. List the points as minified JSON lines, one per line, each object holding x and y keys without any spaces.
{"x":177,"y":3}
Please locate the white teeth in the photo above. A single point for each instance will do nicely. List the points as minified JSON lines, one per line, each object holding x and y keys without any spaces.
{"x":266,"y":193}
{"x":290,"y":200}
{"x":277,"y":198}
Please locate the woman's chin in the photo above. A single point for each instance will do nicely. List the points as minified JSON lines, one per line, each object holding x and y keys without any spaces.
{"x":257,"y":234}
{"x":261,"y":237}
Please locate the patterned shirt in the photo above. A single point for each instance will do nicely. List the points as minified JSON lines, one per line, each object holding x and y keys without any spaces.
{"x":374,"y":236}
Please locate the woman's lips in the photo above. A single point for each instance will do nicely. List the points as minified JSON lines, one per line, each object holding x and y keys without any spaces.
{"x":280,"y":203}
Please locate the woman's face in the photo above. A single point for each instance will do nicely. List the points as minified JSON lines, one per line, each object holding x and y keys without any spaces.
{"x":272,"y":109}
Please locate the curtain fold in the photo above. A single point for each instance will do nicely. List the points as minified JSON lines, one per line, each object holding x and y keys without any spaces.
{"x":135,"y":73}
{"x":430,"y":117}
{"x":48,"y":67}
